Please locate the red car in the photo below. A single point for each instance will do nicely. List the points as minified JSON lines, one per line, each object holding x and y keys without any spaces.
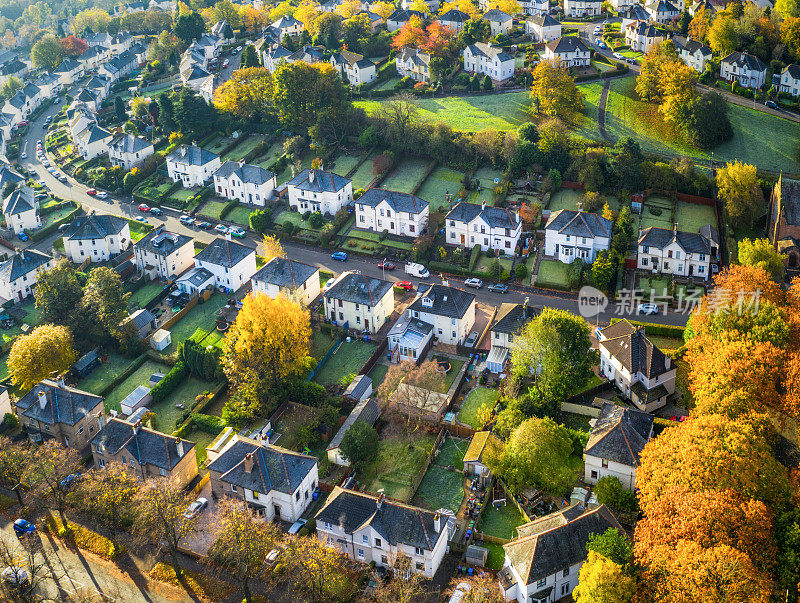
{"x":404,"y":285}
{"x":91,"y":192}
{"x":144,"y":207}
{"x":386,"y":265}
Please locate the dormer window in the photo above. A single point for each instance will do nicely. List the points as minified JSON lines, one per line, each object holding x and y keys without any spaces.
{"x":427,"y":302}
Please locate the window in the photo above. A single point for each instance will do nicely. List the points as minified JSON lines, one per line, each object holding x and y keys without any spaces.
{"x":362,"y":218}
{"x":701,"y":269}
{"x":594,"y":474}
{"x":378,"y":543}
{"x":163,"y":472}
{"x":605,"y":464}
{"x":360,"y":553}
{"x":233,"y":488}
{"x":297,"y":496}
{"x":566,"y":572}
{"x":418,"y":551}
{"x":644,"y":248}
{"x":420,"y":566}
{"x":101,"y":462}
{"x":541,"y":583}
{"x":564,"y":588}
{"x":677,"y":255}
{"x":81,"y":429}
{"x":384,"y":559}
{"x":365,"y":539}
{"x":255,"y":495}
{"x":644,"y":261}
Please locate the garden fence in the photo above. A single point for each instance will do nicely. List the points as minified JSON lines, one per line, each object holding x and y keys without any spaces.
{"x":456,"y":429}
{"x":372,"y":360}
{"x":178,"y":315}
{"x":324,"y":359}
{"x":417,"y":479}
{"x":157,"y":300}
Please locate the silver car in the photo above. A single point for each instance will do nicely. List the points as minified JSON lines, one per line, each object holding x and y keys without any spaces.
{"x":196,"y":508}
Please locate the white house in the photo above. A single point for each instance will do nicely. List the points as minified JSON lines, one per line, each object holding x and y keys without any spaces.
{"x":275,"y":482}
{"x":413,"y":63}
{"x":470,"y":224}
{"x":451,"y":311}
{"x":543,"y":563}
{"x":366,"y":410}
{"x":489,"y":60}
{"x":693,"y":53}
{"x":400,"y":17}
{"x":199,"y":80}
{"x":642,"y":35}
{"x":21,"y":210}
{"x":499,"y":22}
{"x":93,"y":57}
{"x":409,"y":338}
{"x":662,"y":11}
{"x":288,"y":25}
{"x":361,"y":302}
{"x":92,"y":141}
{"x":192,"y":166}
{"x":69,"y":71}
{"x":90,"y":99}
{"x":543,"y":28}
{"x":164,"y":255}
{"x":318,"y":190}
{"x":617,"y":439}
{"x":582,"y":8}
{"x":353,"y":68}
{"x":573,"y":234}
{"x":223,"y":31}
{"x":622,"y":6}
{"x":534,"y":7}
{"x":705,"y":5}
{"x":250,"y":184}
{"x":232,"y":264}
{"x":790,"y":80}
{"x":129,"y":151}
{"x":49,"y":84}
{"x":96,"y":237}
{"x":454,"y":19}
{"x":374,"y":529}
{"x":288,"y":277}
{"x":210,"y":44}
{"x":433,"y":5}
{"x":273,"y":55}
{"x":747,"y":69}
{"x":19,"y":273}
{"x":119,"y":67}
{"x":398,"y":213}
{"x":100,"y":85}
{"x":635,"y":12}
{"x":641,"y":371}
{"x":571,"y":50}
{"x":509,"y":322}
{"x":679,"y":253}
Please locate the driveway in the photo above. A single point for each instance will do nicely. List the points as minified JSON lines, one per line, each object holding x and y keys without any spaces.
{"x":204,"y":535}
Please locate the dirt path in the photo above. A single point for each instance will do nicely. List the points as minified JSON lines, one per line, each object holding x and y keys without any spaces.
{"x":601,"y":113}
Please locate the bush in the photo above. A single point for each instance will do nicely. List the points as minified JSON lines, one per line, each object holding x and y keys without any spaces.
{"x":383,"y":235}
{"x":170,"y":382}
{"x":521,"y":270}
{"x":207,"y":423}
{"x":260,"y":220}
{"x":575,"y":273}
{"x":307,"y":392}
{"x":609,"y":491}
{"x":315,"y":220}
{"x":229,"y":206}
{"x":288,"y":227}
{"x":474,"y":256}
{"x":10,"y":420}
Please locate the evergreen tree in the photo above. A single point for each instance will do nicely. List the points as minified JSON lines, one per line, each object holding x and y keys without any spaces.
{"x":119,"y":109}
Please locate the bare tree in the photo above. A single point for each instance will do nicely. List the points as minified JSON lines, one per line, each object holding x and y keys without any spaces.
{"x":48,"y":469}
{"x":400,"y":113}
{"x":318,"y":569}
{"x":404,"y":586}
{"x":481,"y":588}
{"x":108,"y":495}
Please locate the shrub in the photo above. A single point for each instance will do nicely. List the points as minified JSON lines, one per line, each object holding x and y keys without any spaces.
{"x":260,"y":220}
{"x":575,"y":274}
{"x":288,"y":227}
{"x":315,"y":220}
{"x":207,"y":423}
{"x":521,"y":270}
{"x":170,"y":382}
{"x":610,"y":492}
{"x":10,"y":420}
{"x":383,"y":235}
{"x":307,"y":392}
{"x":474,"y":256}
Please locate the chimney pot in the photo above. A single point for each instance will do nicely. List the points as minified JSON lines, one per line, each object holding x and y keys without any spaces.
{"x":483,"y":205}
{"x":42,"y":399}
{"x":437,"y":523}
{"x":248,"y":462}
{"x":379,"y":502}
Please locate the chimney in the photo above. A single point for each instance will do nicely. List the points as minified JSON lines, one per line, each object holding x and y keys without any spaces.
{"x":437,"y":523}
{"x":101,"y":420}
{"x":248,"y":462}
{"x":241,"y":162}
{"x":183,"y":150}
{"x":675,"y":227}
{"x":379,"y":502}
{"x":42,"y":399}
{"x":136,"y":427}
{"x":483,"y":205}
{"x":580,"y":206}
{"x":310,"y":176}
{"x":179,"y":446}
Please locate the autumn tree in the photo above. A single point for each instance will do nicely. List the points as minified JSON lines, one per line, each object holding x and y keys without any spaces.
{"x":93,"y":19}
{"x":319,"y":570}
{"x":73,"y":47}
{"x":382,"y":9}
{"x":761,"y":253}
{"x":400,"y":112}
{"x":47,"y":53}
{"x":47,"y":468}
{"x":248,"y":93}
{"x":272,"y":248}
{"x":305,"y":93}
{"x":405,"y":586}
{"x":480,"y":588}
{"x":554,"y":93}
{"x":10,"y":87}
{"x":13,"y":461}
{"x":699,"y":25}
{"x":722,"y":35}
{"x":44,"y":352}
{"x":738,"y":188}
{"x":104,"y":299}
{"x":790,"y":36}
{"x":613,"y":545}
{"x":603,"y":581}
{"x":107,"y":494}
{"x":58,"y":293}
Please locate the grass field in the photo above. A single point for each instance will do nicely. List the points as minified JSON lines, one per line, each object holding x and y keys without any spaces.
{"x":217,"y":144}
{"x":290,"y":423}
{"x":202,"y":316}
{"x":442,"y":180}
{"x":139,"y":377}
{"x":342,"y":164}
{"x":142,"y":296}
{"x":406,"y":175}
{"x":104,"y":374}
{"x":296,"y":218}
{"x":242,"y":149}
{"x":648,"y":218}
{"x":653,"y":287}
{"x":473,"y":402}
{"x":452,"y":452}
{"x":321,"y":342}
{"x":166,"y":412}
{"x":388,"y":84}
{"x":503,"y":521}
{"x":212,"y":209}
{"x":691,"y":217}
{"x":440,"y":489}
{"x":4,"y":367}
{"x":486,"y":264}
{"x":290,"y":171}
{"x":349,"y":358}
{"x":565,"y":198}
{"x":241,"y":215}
{"x":396,"y":465}
{"x":364,"y":174}
{"x":552,"y":272}
{"x":208,"y":337}
{"x":272,"y":155}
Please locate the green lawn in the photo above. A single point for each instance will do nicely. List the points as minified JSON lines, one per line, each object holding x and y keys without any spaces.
{"x":30,"y":317}
{"x":343,"y":163}
{"x":406,"y":175}
{"x":290,"y":423}
{"x":450,"y":376}
{"x":440,"y":489}
{"x":442,"y":180}
{"x":502,"y":522}
{"x":296,"y":218}
{"x":212,"y":209}
{"x":496,"y":556}
{"x":349,"y":358}
{"x":486,"y":264}
{"x":471,"y":113}
{"x":364,"y":174}
{"x":167,"y":414}
{"x":377,"y":374}
{"x":552,"y":272}
{"x":691,"y":217}
{"x":352,"y":244}
{"x":452,"y":452}
{"x":242,"y":149}
{"x":201,"y":440}
{"x":473,"y":402}
{"x":653,"y":286}
{"x":211,"y":337}
{"x":144,"y":294}
{"x":216,"y":144}
{"x":139,"y":377}
{"x":183,"y":194}
{"x":104,"y":374}
{"x":241,"y":215}
{"x":202,"y":316}
{"x":290,"y":171}
{"x":396,"y":465}
{"x":321,"y":342}
{"x":665,"y":343}
{"x":565,"y":198}
{"x":388,"y":84}
{"x":4,"y":367}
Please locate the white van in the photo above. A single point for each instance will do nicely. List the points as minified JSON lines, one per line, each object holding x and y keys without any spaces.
{"x":417,"y":270}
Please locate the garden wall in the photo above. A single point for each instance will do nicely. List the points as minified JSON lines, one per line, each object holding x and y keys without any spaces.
{"x":580,"y":409}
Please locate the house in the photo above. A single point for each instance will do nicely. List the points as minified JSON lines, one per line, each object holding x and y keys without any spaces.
{"x":100,"y":85}
{"x":790,"y":80}
{"x":145,"y":453}
{"x":400,"y":17}
{"x":273,"y":55}
{"x":9,"y":176}
{"x":317,"y":190}
{"x":275,"y":482}
{"x":482,"y":445}
{"x":636,"y":12}
{"x":499,"y":22}
{"x":250,"y":184}
{"x":622,"y":6}
{"x":19,"y":273}
{"x":210,"y":44}
{"x":49,"y":84}
{"x":662,"y":11}
{"x":705,"y":5}
{"x":451,"y":311}
{"x":12,"y":66}
{"x":573,"y":234}
{"x":129,"y":151}
{"x":308,"y":54}
{"x":360,"y":302}
{"x":783,"y":220}
{"x":288,"y":26}
{"x":454,"y":19}
{"x":433,"y":5}
{"x":161,"y":254}
{"x":409,"y":339}
{"x":571,"y":50}
{"x":5,"y":401}
{"x":143,"y":322}
{"x":641,"y":371}
{"x":693,"y":53}
{"x":119,"y":67}
{"x":192,"y":166}
{"x":139,"y":52}
{"x":582,"y":8}
{"x":543,"y":28}
{"x":617,"y":439}
{"x":21,"y":210}
{"x":288,"y":277}
{"x":97,"y":238}
{"x":93,"y":141}
{"x":54,"y":410}
{"x":375,"y":529}
{"x":398,"y":213}
{"x":93,"y":57}
{"x":642,"y":35}
{"x":199,"y":80}
{"x":686,"y":254}
{"x":509,"y":322}
{"x":353,"y":67}
{"x":69,"y":71}
{"x":413,"y":63}
{"x":367,"y":410}
{"x":232,"y":264}
{"x":543,"y":563}
{"x":489,"y":60}
{"x":470,"y":224}
{"x":529,"y":7}
{"x":89,"y":98}
{"x":223,"y":31}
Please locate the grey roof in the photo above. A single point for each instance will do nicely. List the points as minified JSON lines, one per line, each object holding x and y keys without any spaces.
{"x":397,"y":201}
{"x":644,"y":28}
{"x":278,"y":52}
{"x":691,"y":46}
{"x":86,"y":361}
{"x":710,"y":233}
{"x":147,"y":446}
{"x":222,"y":252}
{"x":197,"y":276}
{"x":92,"y":52}
{"x":568,"y":44}
{"x":286,"y":21}
{"x":128,"y":143}
{"x":417,"y":56}
{"x":635,"y":351}
{"x":86,"y":96}
{"x":284,"y":272}
{"x":319,"y":181}
{"x":794,"y":71}
{"x":197,"y":73}
{"x":13,"y":66}
{"x":511,"y":318}
{"x":359,"y":289}
{"x":544,"y":20}
{"x":308,"y":53}
{"x":482,"y":49}
{"x":94,"y":226}
{"x":141,"y":318}
{"x":579,"y":224}
{"x":67,"y":66}
{"x":455,"y":16}
{"x":397,"y":523}
{"x":620,"y":434}
{"x":447,"y":301}
{"x":7,"y":174}
{"x":743,"y":59}
{"x":497,"y":15}
{"x":19,"y":201}
{"x":95,"y":133}
{"x":18,"y":100}
{"x":350,"y":58}
{"x":789,"y":200}
{"x":274,"y":468}
{"x":22,"y":263}
{"x":662,"y":6}
{"x":162,"y":242}
{"x":64,"y":404}
{"x":253,"y":174}
{"x":402,"y":15}
{"x":636,"y":12}
{"x":358,"y":387}
{"x":495,"y":217}
{"x":191,"y":155}
{"x":659,"y":238}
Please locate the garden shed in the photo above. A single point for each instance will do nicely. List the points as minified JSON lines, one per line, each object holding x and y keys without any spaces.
{"x":135,"y":400}
{"x":476,"y":555}
{"x":367,"y":410}
{"x":160,"y":340}
{"x":86,"y":364}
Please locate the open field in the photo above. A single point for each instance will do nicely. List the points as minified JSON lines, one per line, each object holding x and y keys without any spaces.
{"x":104,"y":374}
{"x":552,"y":272}
{"x":440,"y":489}
{"x":396,"y":465}
{"x":349,"y":358}
{"x":406,"y":175}
{"x":442,"y":180}
{"x":472,"y":404}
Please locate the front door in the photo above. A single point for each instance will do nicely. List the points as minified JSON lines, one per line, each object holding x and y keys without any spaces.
{"x":463,"y":241}
{"x":277,"y":512}
{"x":333,"y":314}
{"x":366,"y":324}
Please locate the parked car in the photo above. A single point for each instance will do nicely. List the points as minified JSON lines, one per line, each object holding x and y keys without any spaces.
{"x":772,"y":104}
{"x":156,"y":211}
{"x":498,"y":288}
{"x":196,"y":508}
{"x":186,"y":220}
{"x":404,"y":285}
{"x":386,"y":265}
{"x":102,"y":195}
{"x":237,"y":232}
{"x":91,"y":192}
{"x":618,"y":56}
{"x":204,"y":225}
{"x":647,"y":309}
{"x":141,"y":219}
{"x":339,"y":256}
{"x":22,"y":236}
{"x":39,"y":142}
{"x":300,"y":522}
{"x":23,"y":527}
{"x":631,"y":60}
{"x":62,"y":178}
{"x":63,"y":227}
{"x":474,"y":282}
{"x":221,"y":228}
{"x":225,"y":63}
{"x":144,"y":207}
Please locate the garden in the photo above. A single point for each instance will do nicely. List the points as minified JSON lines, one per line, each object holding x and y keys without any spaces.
{"x":553,"y":273}
{"x":396,"y":465}
{"x":140,"y":376}
{"x":653,"y":287}
{"x":241,"y":215}
{"x":406,"y":175}
{"x":212,"y":209}
{"x":343,"y":163}
{"x":111,"y":366}
{"x":243,"y":148}
{"x":144,"y":294}
{"x":473,"y":403}
{"x":565,"y":198}
{"x":346,"y":360}
{"x":455,"y":367}
{"x":441,"y":181}
{"x":365,"y":173}
{"x":202,"y":316}
{"x":501,"y":520}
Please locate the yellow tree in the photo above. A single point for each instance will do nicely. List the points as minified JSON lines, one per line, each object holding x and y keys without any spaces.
{"x":465,"y":6}
{"x":307,"y":13}
{"x":272,"y":248}
{"x":139,"y":106}
{"x":108,"y":494}
{"x":699,"y":25}
{"x":554,"y":92}
{"x":281,"y":10}
{"x":603,"y":581}
{"x":383,"y":9}
{"x":248,"y":93}
{"x":49,"y":465}
{"x":93,"y":18}
{"x":481,"y":588}
{"x":46,"y":351}
{"x":738,"y":187}
{"x":607,"y":213}
{"x":420,"y":6}
{"x":348,"y":8}
{"x":509,"y":7}
{"x":318,"y":569}
{"x":678,"y":89}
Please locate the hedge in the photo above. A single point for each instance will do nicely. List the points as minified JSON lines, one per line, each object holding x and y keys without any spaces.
{"x":55,"y":207}
{"x":229,"y":207}
{"x":170,"y":382}
{"x":656,"y":329}
{"x":207,"y":423}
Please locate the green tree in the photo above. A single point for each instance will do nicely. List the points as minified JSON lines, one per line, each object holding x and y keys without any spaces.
{"x":613,"y":545}
{"x":49,"y":466}
{"x":761,"y":253}
{"x":487,"y":83}
{"x":787,"y":530}
{"x":355,"y":31}
{"x":475,"y":30}
{"x":787,"y":8}
{"x":10,"y":87}
{"x":119,"y":109}
{"x":706,"y":122}
{"x":58,"y":293}
{"x":603,"y":270}
{"x":303,"y":92}
{"x":189,"y":27}
{"x":108,"y":494}
{"x":47,"y":53}
{"x":104,"y":299}
{"x":193,"y":114}
{"x":555,"y":91}
{"x":166,"y":111}
{"x":738,"y":187}
{"x":249,"y":57}
{"x":360,"y":444}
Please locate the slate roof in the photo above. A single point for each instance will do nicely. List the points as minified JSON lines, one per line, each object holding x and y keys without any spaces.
{"x":147,"y":446}
{"x":66,"y":405}
{"x":92,"y":52}
{"x":619,"y":434}
{"x":252,"y":174}
{"x":482,"y":49}
{"x":359,"y":289}
{"x":511,"y":318}
{"x":579,"y":224}
{"x":13,"y":67}
{"x":19,"y":201}
{"x":128,"y":143}
{"x":222,"y":252}
{"x":22,"y":263}
{"x":197,"y":73}
{"x":416,"y":56}
{"x":544,"y":20}
{"x":495,"y":217}
{"x":691,"y":46}
{"x":636,"y":353}
{"x":496,"y":15}
{"x":401,"y":15}
{"x":350,"y":58}
{"x":789,"y":200}
{"x":162,"y":242}
{"x":67,"y":66}
{"x":794,"y":71}
{"x":278,"y":52}
{"x":191,"y":155}
{"x":95,"y":133}
{"x":308,"y":53}
{"x":568,"y":44}
{"x":7,"y":174}
{"x":447,"y":301}
{"x":454,"y":16}
{"x":557,"y":541}
{"x":644,"y":28}
{"x":319,"y":181}
{"x":395,"y":522}
{"x":662,"y":6}
{"x":691,"y":242}
{"x":709,"y":233}
{"x":743,"y":59}
{"x":94,"y":226}
{"x":274,"y":468}
{"x":286,"y":22}
{"x":397,"y":201}
{"x":141,"y":318}
{"x":366,"y":410}
{"x":284,"y":272}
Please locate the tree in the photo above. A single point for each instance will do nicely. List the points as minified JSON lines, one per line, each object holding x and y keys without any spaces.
{"x":481,"y":588}
{"x":360,"y":444}
{"x":249,"y":57}
{"x":73,"y":47}
{"x":272,"y":248}
{"x":603,"y":581}
{"x":10,"y":88}
{"x":50,"y":465}
{"x":303,"y":93}
{"x":242,"y":543}
{"x":400,"y":113}
{"x":189,"y":27}
{"x":787,"y":8}
{"x":487,"y":83}
{"x":104,"y":299}
{"x":706,"y":122}
{"x":700,"y":24}
{"x":788,"y":536}
{"x":119,"y":109}
{"x":613,"y":545}
{"x":761,"y":253}
{"x":139,"y":106}
{"x":404,"y":586}
{"x":160,"y":506}
{"x":318,"y":569}
{"x":790,"y":36}
{"x":13,"y":461}
{"x":166,"y":111}
{"x":603,"y":270}
{"x":44,"y":351}
{"x":677,"y":91}
{"x":355,"y":30}
{"x":107,"y":494}
{"x":248,"y":93}
{"x":555,"y":91}
{"x":47,"y":53}
{"x":738,"y":187}
{"x":382,"y":9}
{"x":722,"y":36}
{"x":193,"y":114}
